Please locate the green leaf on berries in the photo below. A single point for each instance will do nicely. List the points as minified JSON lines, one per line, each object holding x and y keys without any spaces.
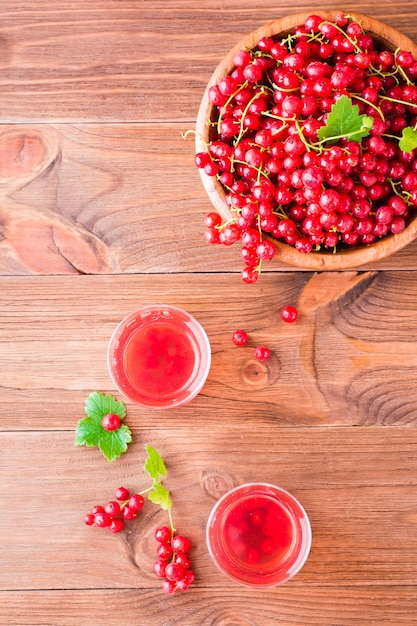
{"x":154,"y":464}
{"x":344,"y":121}
{"x":408,"y":141}
{"x":90,"y":432}
{"x":160,"y":496}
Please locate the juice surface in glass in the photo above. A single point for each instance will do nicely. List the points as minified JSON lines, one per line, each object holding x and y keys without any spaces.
{"x":159,"y":356}
{"x":259,"y":535}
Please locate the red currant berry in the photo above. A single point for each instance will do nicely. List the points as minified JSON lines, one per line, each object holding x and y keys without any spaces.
{"x":110,"y":422}
{"x":121,"y":493}
{"x":129,"y":513}
{"x":183,"y":559}
{"x":289,"y":313}
{"x":189,"y":576}
{"x":169,"y":586}
{"x":180,"y":543}
{"x":262,"y":353}
{"x":164,"y":551}
{"x":240,"y":338}
{"x":266,"y":250}
{"x":97,"y":509}
{"x":159,"y":568}
{"x":182,"y":585}
{"x":163,"y":534}
{"x":89,"y":519}
{"x":136,"y":502}
{"x":102,"y":520}
{"x":212,"y":220}
{"x":112,"y":508}
{"x":249,"y":275}
{"x":116,"y":525}
{"x":174,"y":571}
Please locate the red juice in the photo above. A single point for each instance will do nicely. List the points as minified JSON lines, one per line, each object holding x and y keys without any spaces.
{"x":258,"y":535}
{"x":159,"y":356}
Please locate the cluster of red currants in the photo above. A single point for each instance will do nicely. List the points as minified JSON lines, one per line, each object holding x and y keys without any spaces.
{"x":116,"y":512}
{"x":280,"y":177}
{"x":173,"y":564}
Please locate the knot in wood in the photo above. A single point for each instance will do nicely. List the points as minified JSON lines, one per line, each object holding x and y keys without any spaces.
{"x":257,"y":374}
{"x":216,"y":483}
{"x":26,"y":152}
{"x":230,"y":618}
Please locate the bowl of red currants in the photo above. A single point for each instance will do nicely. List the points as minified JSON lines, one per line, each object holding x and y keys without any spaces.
{"x":306,"y":142}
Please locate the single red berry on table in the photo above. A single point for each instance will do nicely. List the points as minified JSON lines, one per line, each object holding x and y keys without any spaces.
{"x":240,"y":338}
{"x":262,"y":353}
{"x":289,"y":313}
{"x":110,"y":422}
{"x":89,"y":519}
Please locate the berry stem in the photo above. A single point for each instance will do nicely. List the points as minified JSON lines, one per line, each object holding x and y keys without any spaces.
{"x":342,"y":32}
{"x":242,"y":120}
{"x":378,"y":109}
{"x":228,"y":101}
{"x":171,"y":522}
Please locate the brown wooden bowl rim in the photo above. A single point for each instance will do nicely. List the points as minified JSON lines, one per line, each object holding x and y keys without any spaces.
{"x":344,"y":259}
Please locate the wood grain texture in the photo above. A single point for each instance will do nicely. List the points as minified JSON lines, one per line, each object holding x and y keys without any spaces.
{"x":342,"y":362}
{"x":358,"y":491}
{"x":128,"y":60}
{"x":287,"y":606}
{"x":101,"y":211}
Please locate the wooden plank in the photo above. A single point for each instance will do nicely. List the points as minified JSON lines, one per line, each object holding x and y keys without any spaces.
{"x":101,"y":200}
{"x":107,"y":61}
{"x":286,"y":606}
{"x":342,"y":363}
{"x":356,"y":484}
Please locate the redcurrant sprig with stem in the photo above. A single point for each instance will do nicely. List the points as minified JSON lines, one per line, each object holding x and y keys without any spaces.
{"x":173,"y":564}
{"x":113,"y":515}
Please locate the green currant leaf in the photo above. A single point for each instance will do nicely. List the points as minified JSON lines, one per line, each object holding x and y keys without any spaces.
{"x":160,"y":496}
{"x":113,"y":444}
{"x":90,"y":432}
{"x":344,"y":121}
{"x":154,"y":464}
{"x":408,"y":141}
{"x":99,"y":404}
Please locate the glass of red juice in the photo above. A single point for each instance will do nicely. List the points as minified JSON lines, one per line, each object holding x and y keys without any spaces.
{"x":159,"y":356}
{"x":259,"y":535}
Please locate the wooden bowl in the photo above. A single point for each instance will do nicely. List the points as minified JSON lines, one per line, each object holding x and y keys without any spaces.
{"x":321,"y":260}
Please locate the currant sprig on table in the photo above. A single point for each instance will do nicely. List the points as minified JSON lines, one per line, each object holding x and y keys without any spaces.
{"x":173,"y":564}
{"x":315,"y":142}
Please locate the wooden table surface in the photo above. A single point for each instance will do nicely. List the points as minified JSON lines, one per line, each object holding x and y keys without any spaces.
{"x":101,"y":212}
